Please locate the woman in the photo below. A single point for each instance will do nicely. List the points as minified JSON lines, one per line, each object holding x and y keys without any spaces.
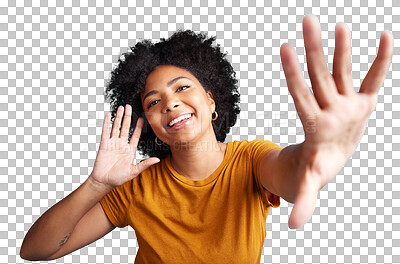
{"x":200,"y":200}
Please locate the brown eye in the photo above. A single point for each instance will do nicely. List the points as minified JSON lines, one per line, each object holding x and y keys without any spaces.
{"x":152,"y":103}
{"x":182,"y":88}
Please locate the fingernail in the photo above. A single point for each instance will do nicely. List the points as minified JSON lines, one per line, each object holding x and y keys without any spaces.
{"x":312,"y":16}
{"x":387,"y":32}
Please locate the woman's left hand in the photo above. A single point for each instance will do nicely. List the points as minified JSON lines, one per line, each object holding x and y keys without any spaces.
{"x":335,"y":116}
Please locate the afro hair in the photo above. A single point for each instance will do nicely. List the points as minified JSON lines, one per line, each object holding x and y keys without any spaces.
{"x":187,"y":50}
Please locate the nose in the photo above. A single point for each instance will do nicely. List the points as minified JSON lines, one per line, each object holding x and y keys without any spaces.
{"x":170,"y":102}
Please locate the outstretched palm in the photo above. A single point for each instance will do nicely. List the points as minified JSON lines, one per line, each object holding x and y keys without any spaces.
{"x":335,"y":117}
{"x":114,"y":162}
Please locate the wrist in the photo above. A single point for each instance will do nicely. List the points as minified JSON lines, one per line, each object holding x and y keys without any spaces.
{"x":97,"y":186}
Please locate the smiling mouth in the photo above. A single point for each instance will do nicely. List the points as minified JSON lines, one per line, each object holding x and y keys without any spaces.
{"x":180,"y":122}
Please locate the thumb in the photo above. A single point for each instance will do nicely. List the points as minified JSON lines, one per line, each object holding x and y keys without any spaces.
{"x":303,"y":209}
{"x":144,"y":164}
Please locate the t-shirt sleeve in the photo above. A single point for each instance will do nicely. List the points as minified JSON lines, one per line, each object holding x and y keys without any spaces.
{"x":116,"y":204}
{"x":258,"y":148}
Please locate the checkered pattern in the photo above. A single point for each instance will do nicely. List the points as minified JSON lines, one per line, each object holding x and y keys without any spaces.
{"x":56,"y":57}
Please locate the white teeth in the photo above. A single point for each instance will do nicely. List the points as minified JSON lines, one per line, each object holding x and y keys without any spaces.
{"x":176,"y":120}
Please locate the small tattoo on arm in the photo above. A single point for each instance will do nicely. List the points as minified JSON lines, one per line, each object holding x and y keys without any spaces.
{"x":64,"y":240}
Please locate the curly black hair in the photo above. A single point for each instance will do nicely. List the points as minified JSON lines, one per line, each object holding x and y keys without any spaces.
{"x":187,"y":50}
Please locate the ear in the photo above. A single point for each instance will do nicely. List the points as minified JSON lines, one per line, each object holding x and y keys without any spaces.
{"x":211,"y":100}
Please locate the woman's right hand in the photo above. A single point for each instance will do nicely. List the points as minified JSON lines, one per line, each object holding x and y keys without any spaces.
{"x":114,"y":162}
{"x":79,"y":219}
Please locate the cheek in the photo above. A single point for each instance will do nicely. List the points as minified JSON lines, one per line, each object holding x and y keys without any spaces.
{"x":200,"y":101}
{"x":154,"y":120}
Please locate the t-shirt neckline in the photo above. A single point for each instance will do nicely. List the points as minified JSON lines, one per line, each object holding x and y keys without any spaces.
{"x":209,"y":179}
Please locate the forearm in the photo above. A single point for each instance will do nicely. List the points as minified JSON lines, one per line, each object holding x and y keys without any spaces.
{"x":278,"y":174}
{"x":52,"y":230}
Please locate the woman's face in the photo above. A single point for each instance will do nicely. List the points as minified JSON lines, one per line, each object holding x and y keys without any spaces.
{"x":177,"y":106}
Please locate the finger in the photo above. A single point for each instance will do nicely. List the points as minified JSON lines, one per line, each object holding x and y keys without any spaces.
{"x":117,"y":122}
{"x":377,"y":72}
{"x":342,"y":60}
{"x":321,"y":79}
{"x":105,"y":134}
{"x":126,"y":123}
{"x":305,"y":103}
{"x":136,"y":133}
{"x":303,"y":209}
{"x":143,"y":165}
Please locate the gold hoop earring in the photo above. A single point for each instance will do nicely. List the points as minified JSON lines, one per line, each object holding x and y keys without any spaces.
{"x":216,"y":116}
{"x":156,"y":140}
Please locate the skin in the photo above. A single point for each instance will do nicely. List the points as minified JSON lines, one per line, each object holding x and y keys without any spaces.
{"x":334,"y":118}
{"x":189,"y":144}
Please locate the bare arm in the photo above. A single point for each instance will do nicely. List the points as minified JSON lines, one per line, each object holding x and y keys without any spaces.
{"x":334,"y":118}
{"x":78,"y":219}
{"x":91,"y":227}
{"x":68,"y":225}
{"x":276,"y":171}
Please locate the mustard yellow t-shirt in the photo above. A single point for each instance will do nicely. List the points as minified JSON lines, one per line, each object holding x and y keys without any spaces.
{"x":220,"y":219}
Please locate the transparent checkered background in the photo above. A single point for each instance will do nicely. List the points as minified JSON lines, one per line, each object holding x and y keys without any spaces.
{"x":56,"y":58}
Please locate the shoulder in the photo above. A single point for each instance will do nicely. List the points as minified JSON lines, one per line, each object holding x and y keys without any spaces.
{"x":253,"y":145}
{"x":253,"y":151}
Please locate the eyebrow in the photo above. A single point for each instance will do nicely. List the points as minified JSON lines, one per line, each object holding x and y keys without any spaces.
{"x":168,"y":84}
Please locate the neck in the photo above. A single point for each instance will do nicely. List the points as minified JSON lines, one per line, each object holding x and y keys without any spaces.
{"x":198,"y":160}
